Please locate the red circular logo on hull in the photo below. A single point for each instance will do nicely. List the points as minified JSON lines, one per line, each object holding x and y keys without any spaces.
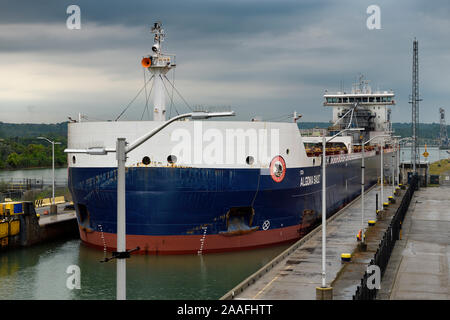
{"x":277,"y":169}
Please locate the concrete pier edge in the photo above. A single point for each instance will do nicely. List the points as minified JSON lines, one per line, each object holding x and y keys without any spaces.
{"x":263,"y":270}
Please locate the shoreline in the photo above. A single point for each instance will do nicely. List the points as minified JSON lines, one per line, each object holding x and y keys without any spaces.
{"x":32,"y":168}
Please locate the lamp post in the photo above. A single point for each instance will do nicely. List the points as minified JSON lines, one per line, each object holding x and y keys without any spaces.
{"x":319,"y":290}
{"x":363,"y":182}
{"x":398,"y":157}
{"x":395,"y":166}
{"x":121,"y":151}
{"x":52,"y":209}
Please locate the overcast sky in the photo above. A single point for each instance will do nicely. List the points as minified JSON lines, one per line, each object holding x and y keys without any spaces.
{"x":262,"y":58}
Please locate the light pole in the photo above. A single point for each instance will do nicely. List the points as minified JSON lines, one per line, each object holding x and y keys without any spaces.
{"x":395,"y":166}
{"x":363,"y":182}
{"x":324,"y":206}
{"x":121,"y":151}
{"x":398,"y":157}
{"x":382,"y":176}
{"x":53,"y":170}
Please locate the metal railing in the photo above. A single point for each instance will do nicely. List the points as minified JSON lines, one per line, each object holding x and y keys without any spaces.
{"x":392,"y":234}
{"x":29,"y":184}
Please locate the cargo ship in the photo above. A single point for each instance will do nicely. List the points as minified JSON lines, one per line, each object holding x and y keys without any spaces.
{"x":203,"y":186}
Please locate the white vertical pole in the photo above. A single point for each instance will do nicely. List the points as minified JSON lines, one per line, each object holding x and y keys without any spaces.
{"x":362,"y":191}
{"x":159,"y":109}
{"x":382,"y":175}
{"x":393,"y":174}
{"x":324,"y":211}
{"x":53,"y":172}
{"x":398,"y":162}
{"x":121,"y":228}
{"x":403,"y":167}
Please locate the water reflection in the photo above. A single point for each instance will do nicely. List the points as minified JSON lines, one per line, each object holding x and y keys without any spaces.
{"x":39,"y":272}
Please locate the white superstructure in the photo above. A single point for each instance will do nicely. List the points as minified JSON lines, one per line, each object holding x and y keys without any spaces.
{"x":362,"y":107}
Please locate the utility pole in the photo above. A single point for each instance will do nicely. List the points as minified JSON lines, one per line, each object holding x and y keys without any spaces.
{"x":415,"y":153}
{"x":443,"y":143}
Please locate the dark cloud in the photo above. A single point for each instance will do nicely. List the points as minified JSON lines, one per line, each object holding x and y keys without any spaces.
{"x":263,"y":57}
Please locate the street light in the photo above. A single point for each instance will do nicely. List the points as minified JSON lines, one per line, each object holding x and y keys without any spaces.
{"x":121,"y":151}
{"x":398,"y":156}
{"x":52,"y":208}
{"x":393,"y":164}
{"x":324,"y":202}
{"x":363,"y":181}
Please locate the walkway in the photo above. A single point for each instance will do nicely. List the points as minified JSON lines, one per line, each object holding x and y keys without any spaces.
{"x":419,"y":264}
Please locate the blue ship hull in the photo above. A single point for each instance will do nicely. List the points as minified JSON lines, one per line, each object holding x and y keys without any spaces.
{"x":181,"y":204}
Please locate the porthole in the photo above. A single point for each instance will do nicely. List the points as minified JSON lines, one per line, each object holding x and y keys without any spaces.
{"x":172,"y":159}
{"x":146,"y":160}
{"x":287,"y":151}
{"x":74,"y":160}
{"x":249,"y":160}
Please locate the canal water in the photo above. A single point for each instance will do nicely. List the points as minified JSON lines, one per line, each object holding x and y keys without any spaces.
{"x":39,"y":174}
{"x":434,"y":154}
{"x":39,"y":272}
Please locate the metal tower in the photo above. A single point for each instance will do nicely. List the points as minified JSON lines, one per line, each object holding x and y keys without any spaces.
{"x":443,"y":143}
{"x":415,"y":155}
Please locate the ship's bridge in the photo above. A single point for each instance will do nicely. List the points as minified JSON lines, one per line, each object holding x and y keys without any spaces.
{"x":361,"y":107}
{"x":342,"y":98}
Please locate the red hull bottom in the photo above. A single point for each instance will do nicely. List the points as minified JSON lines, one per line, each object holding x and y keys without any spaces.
{"x":193,"y":244}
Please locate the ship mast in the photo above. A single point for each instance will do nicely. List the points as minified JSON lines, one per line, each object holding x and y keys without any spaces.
{"x":158,"y":64}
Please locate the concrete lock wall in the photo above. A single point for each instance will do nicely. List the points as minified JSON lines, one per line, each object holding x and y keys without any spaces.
{"x":32,"y":232}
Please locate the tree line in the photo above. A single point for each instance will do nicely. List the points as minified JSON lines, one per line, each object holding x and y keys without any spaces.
{"x":20,"y":148}
{"x":16,"y":153}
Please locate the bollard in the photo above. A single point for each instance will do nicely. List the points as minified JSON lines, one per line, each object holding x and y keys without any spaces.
{"x":371,"y":223}
{"x":379,"y":214}
{"x":346,"y":257}
{"x":391,"y":199}
{"x":324,"y":293}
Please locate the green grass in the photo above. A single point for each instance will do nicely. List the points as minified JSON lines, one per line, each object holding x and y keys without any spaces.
{"x":439,"y":167}
{"x":33,"y":195}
